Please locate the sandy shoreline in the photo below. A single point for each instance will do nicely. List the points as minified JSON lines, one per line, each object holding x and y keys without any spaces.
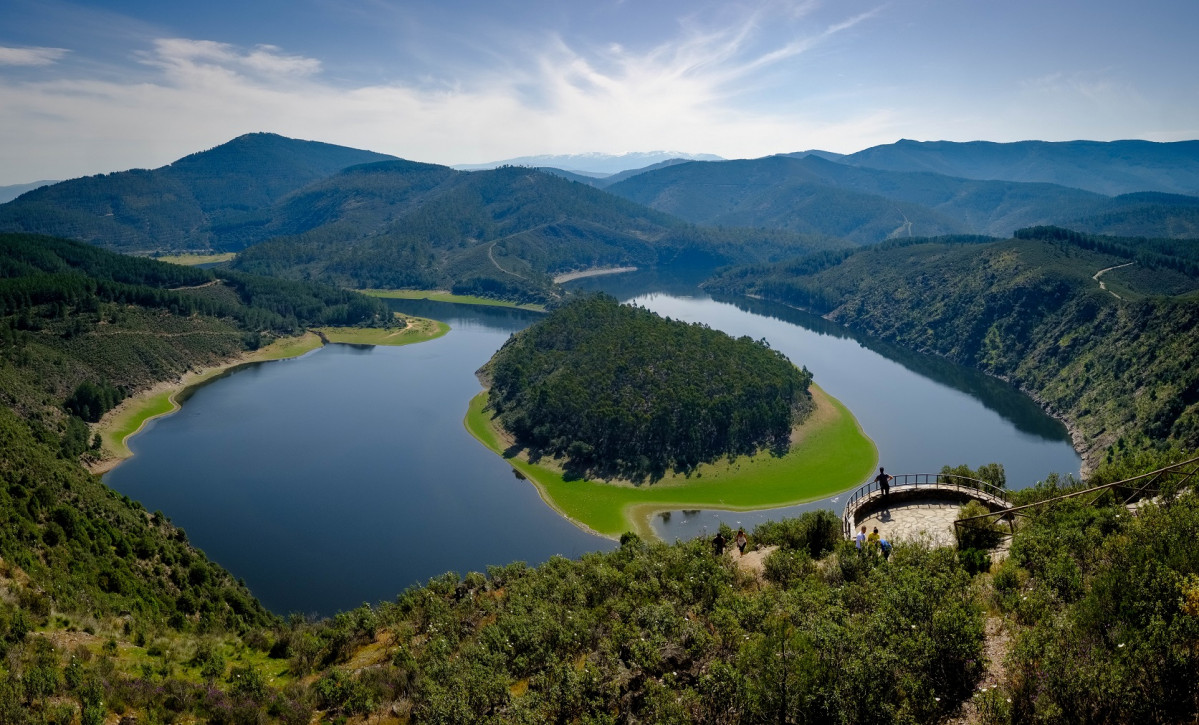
{"x":160,"y":399}
{"x":559,"y":279}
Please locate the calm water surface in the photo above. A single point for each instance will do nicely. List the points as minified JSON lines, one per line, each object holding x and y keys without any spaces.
{"x":346,"y":475}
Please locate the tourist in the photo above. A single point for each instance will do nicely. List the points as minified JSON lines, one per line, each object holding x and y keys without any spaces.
{"x":860,"y":539}
{"x":741,"y":540}
{"x":883,"y":480}
{"x":872,"y":541}
{"x":886,"y":547}
{"x":718,"y":543}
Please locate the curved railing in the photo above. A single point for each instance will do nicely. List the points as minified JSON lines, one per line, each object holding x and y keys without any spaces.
{"x":931,"y":482}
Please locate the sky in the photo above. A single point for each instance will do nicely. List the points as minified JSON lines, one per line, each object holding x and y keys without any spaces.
{"x":94,"y":87}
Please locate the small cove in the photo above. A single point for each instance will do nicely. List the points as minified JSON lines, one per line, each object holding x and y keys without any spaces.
{"x":346,"y":475}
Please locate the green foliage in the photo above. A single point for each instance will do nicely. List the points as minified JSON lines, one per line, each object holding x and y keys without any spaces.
{"x":977,"y":534}
{"x":815,"y":533}
{"x":1106,"y":598}
{"x":621,"y":391}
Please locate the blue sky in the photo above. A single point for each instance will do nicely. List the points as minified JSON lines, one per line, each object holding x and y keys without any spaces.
{"x":89,"y":87}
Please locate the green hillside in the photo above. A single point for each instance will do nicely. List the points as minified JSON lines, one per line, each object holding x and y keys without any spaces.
{"x":208,"y":200}
{"x":501,"y":233}
{"x":1121,"y":370}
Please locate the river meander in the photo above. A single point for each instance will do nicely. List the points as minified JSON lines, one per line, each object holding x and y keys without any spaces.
{"x":346,"y":475}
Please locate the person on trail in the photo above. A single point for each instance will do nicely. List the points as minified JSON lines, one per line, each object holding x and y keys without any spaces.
{"x":718,"y":543}
{"x":886,"y":547}
{"x":860,"y":538}
{"x":872,"y":541}
{"x":883,"y":479}
{"x":741,"y":540}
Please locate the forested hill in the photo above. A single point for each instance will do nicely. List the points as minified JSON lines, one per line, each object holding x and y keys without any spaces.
{"x":195,"y":203}
{"x":499,"y":233}
{"x":1121,"y":369}
{"x":815,"y":195}
{"x":618,"y":391}
{"x":1105,"y":167}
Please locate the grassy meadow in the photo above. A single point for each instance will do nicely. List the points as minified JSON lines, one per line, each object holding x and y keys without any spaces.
{"x":443,"y":296}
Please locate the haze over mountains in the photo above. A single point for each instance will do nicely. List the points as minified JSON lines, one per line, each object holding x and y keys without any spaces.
{"x":305,"y":209}
{"x":594,"y":164}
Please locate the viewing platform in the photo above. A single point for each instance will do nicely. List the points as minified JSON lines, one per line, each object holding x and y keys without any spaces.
{"x":918,"y":504}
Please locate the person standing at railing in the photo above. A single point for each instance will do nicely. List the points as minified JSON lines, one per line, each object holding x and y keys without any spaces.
{"x":883,"y":479}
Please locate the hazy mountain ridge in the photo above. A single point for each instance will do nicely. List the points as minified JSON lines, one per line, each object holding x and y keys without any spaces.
{"x":1105,"y":167}
{"x":184,"y":205}
{"x":816,"y":195}
{"x":12,"y":191}
{"x":593,"y":163}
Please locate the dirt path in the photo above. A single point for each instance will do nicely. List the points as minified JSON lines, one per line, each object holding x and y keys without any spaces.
{"x":568,"y":276}
{"x":753,"y":562}
{"x":1103,"y":286}
{"x":996,"y":644}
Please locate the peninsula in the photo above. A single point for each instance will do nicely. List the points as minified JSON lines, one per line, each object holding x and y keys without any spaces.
{"x":615,"y":413}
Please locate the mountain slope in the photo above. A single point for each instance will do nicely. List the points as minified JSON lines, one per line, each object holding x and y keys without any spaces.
{"x":189,"y":204}
{"x":815,"y":195}
{"x":1028,"y":310}
{"x":503,"y":232}
{"x":1115,"y":167}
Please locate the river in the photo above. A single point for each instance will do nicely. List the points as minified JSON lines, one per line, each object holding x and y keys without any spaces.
{"x":345,"y":476}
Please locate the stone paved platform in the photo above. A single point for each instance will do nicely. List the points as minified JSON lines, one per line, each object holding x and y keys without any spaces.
{"x":915,"y":519}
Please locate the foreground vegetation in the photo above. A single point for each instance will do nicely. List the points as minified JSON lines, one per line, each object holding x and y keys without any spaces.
{"x":1098,"y":608}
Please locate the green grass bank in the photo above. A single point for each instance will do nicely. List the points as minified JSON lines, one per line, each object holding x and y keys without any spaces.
{"x":829,"y":453}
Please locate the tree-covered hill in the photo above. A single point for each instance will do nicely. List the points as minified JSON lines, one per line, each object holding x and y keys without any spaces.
{"x":1119,"y":369}
{"x":619,"y":391}
{"x":819,"y":196}
{"x":1105,"y":167}
{"x":499,"y":233}
{"x":208,"y":200}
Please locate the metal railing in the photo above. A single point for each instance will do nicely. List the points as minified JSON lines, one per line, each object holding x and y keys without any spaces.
{"x":1137,"y":488}
{"x":931,"y":482}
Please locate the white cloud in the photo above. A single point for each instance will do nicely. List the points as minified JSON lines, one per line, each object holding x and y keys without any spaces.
{"x":680,"y":94}
{"x":182,"y":57}
{"x":31,"y":56}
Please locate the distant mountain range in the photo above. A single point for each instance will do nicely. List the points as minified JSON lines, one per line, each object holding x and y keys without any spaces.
{"x":814,"y":195}
{"x":593,"y":164}
{"x":1105,"y":167}
{"x":12,"y":191}
{"x":305,"y":209}
{"x":189,"y":204}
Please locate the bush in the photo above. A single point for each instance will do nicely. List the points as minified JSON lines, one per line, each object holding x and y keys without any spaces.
{"x":978,"y":534}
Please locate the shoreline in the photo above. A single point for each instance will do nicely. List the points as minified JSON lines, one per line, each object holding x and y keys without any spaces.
{"x":131,"y":417}
{"x":613,"y":507}
{"x":1086,"y":450}
{"x":594,"y":272}
{"x":436,"y":295}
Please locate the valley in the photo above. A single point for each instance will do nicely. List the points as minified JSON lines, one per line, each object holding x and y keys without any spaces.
{"x":345,"y":473}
